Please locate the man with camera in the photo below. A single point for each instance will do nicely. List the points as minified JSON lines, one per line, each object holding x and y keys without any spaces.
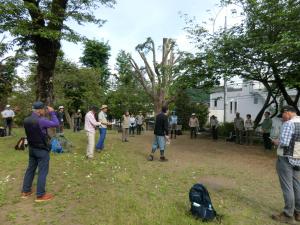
{"x":36,"y":127}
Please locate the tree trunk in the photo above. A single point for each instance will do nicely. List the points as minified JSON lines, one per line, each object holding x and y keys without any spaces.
{"x":47,"y":51}
{"x":69,"y":119}
{"x":261,"y":112}
{"x":282,"y":88}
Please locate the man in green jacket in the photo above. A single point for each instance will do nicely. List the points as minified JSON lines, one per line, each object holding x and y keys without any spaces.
{"x":266,"y":130}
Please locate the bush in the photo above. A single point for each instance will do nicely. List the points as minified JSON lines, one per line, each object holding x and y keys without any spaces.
{"x":225,"y":129}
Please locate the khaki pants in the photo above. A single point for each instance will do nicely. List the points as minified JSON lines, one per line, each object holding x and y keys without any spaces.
{"x":90,"y":144}
{"x":125,"y":134}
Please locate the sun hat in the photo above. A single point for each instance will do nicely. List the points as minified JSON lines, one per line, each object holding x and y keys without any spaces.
{"x":104,"y":106}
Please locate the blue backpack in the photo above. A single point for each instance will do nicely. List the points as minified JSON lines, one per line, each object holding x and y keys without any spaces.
{"x":56,"y":146}
{"x":201,"y":205}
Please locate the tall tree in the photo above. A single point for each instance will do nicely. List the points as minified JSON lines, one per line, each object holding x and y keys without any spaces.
{"x":156,"y":78}
{"x":127,"y":93}
{"x":42,"y":24}
{"x":96,"y":55}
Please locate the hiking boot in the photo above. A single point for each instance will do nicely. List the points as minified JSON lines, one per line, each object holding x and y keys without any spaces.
{"x":25,"y":195}
{"x":297,"y":216}
{"x":163,"y":159}
{"x":283,"y":218}
{"x":44,"y":198}
{"x":150,"y":158}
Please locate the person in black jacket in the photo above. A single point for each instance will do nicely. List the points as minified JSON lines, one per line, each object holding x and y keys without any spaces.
{"x":161,"y":131}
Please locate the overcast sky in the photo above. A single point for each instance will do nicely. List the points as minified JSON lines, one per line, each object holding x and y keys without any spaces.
{"x":130,"y":22}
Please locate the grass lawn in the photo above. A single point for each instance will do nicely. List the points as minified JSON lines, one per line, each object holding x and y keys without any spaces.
{"x":120,"y":187}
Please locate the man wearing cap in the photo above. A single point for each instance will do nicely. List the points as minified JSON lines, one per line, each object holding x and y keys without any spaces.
{"x":193,"y":124}
{"x":288,"y":165}
{"x":102,"y":118}
{"x":8,"y":115}
{"x":90,"y":124}
{"x":60,"y":116}
{"x":36,"y":127}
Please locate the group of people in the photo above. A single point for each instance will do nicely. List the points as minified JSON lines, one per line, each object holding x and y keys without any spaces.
{"x":288,"y":150}
{"x":246,"y":127}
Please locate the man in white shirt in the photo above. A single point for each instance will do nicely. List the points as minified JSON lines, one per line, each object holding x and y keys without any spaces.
{"x":8,"y":115}
{"x":90,"y":124}
{"x":102,"y":118}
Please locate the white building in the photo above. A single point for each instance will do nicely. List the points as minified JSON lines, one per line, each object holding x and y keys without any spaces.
{"x":246,"y":98}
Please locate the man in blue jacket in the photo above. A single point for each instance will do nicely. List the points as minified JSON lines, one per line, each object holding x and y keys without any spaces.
{"x":36,"y":127}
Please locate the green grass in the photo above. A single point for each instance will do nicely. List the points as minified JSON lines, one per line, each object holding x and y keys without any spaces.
{"x":121,"y":187}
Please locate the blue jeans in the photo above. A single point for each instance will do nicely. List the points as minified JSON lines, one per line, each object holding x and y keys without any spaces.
{"x":159,"y":142}
{"x":100,"y":144}
{"x":37,"y":158}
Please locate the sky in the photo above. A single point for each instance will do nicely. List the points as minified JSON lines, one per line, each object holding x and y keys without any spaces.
{"x":130,"y":22}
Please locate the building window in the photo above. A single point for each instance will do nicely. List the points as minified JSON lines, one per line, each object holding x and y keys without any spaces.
{"x":235,"y":107}
{"x":230,"y":107}
{"x":216,"y":103}
{"x":255,"y":100}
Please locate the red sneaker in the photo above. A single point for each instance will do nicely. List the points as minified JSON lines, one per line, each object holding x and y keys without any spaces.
{"x":25,"y":195}
{"x":44,"y":198}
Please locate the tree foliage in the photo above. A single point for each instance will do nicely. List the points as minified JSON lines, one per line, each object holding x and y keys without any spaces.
{"x":41,"y":24}
{"x":96,"y":55}
{"x":264,"y":47}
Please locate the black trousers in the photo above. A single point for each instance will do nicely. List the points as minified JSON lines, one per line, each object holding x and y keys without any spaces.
{"x":215,"y":133}
{"x":139,"y":129}
{"x":193,"y":132}
{"x":267,"y":141}
{"x":8,"y":125}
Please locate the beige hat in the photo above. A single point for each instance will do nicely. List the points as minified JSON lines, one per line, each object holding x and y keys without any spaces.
{"x":193,"y":114}
{"x":104,"y":106}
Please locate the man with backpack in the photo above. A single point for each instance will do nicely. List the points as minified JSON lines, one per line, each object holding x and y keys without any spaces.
{"x":161,"y":130}
{"x":36,"y":127}
{"x":288,"y":165}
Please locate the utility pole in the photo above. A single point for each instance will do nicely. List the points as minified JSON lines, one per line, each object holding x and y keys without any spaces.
{"x":225,"y":80}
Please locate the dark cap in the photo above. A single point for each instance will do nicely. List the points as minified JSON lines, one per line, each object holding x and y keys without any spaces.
{"x":38,"y":105}
{"x":288,"y":108}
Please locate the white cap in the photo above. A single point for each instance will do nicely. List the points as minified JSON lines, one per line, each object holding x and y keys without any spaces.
{"x":60,"y":107}
{"x":193,"y":114}
{"x":78,"y":110}
{"x":7,"y":106}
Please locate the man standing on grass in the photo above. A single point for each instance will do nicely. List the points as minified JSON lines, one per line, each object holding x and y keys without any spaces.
{"x":238,"y":128}
{"x":60,"y":116}
{"x":160,"y":134}
{"x":125,"y":126}
{"x":90,"y":124}
{"x":193,"y":124}
{"x":102,"y":118}
{"x":36,"y":127}
{"x":8,"y":115}
{"x":139,"y":122}
{"x":288,"y":165}
{"x":266,"y":127}
{"x":173,"y":123}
